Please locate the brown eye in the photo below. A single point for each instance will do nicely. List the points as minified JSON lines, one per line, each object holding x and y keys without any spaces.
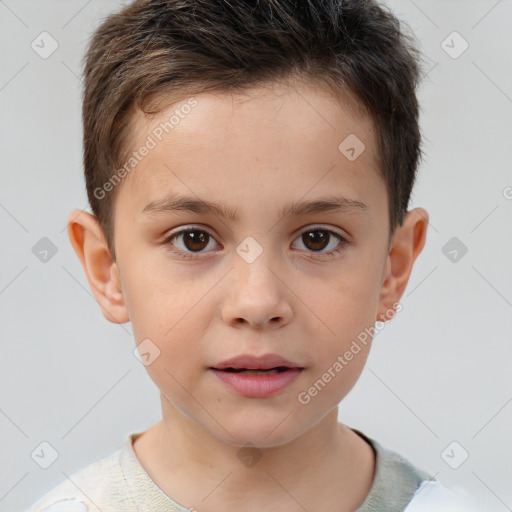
{"x":189,"y":241}
{"x":316,"y":240}
{"x":195,"y":240}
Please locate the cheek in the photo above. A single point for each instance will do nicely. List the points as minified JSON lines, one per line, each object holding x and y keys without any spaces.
{"x":344,"y":305}
{"x":345,"y":309}
{"x":171,"y":314}
{"x":157,"y":303}
{"x":180,"y":363}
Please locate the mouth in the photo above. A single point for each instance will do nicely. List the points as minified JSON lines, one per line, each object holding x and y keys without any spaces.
{"x":259,"y":363}
{"x":257,"y":376}
{"x":256,"y":371}
{"x":257,"y":382}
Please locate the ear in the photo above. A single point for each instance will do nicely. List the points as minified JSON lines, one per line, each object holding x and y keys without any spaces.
{"x":89,"y":243}
{"x":406,"y":244}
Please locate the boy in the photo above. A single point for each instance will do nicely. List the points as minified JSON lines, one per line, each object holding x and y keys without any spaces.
{"x":249,"y":166}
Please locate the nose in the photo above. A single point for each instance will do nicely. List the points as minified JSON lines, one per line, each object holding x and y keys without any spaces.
{"x":258,"y":294}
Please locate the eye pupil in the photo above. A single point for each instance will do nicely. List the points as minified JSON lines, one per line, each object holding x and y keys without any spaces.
{"x":197,"y":240}
{"x":195,"y":237}
{"x":310,"y":236}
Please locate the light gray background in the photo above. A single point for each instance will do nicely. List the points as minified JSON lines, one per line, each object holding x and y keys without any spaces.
{"x":440,"y":372}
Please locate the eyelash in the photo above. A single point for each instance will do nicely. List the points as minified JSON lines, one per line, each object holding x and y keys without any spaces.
{"x":197,"y":255}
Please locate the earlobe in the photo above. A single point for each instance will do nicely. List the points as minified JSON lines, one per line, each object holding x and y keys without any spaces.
{"x":407,"y":243}
{"x":88,"y":241}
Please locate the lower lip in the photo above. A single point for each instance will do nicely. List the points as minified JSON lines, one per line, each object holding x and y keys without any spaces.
{"x":258,"y":386}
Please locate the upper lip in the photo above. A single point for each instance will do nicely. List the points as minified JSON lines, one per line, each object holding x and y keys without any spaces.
{"x":250,"y":362}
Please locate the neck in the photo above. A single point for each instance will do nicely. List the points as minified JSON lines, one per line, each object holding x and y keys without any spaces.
{"x":199,"y":470}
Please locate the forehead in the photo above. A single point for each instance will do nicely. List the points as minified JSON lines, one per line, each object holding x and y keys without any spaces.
{"x":287,"y":104}
{"x":272,"y":140}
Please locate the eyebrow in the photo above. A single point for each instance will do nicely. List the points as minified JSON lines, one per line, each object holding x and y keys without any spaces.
{"x":178,"y":202}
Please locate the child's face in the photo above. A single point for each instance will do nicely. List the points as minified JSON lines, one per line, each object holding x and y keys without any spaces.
{"x":254,"y":285}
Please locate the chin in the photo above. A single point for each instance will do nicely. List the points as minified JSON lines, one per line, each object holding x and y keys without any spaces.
{"x":260,"y":433}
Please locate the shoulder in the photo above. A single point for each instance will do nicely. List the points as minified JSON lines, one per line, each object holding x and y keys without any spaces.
{"x":400,"y":485}
{"x":94,"y":488}
{"x":432,"y":496}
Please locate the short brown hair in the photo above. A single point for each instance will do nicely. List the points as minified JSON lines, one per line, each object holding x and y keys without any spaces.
{"x":171,"y":49}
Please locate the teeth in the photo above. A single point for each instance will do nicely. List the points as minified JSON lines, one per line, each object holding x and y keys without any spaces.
{"x":260,"y":372}
{"x":257,"y":372}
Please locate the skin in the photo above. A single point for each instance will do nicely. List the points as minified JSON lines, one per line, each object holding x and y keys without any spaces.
{"x":254,"y":152}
